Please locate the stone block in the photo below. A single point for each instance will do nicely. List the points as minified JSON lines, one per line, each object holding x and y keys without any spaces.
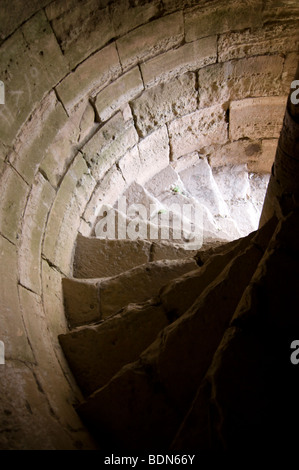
{"x":127,"y":15}
{"x":89,"y":77}
{"x":64,"y":146}
{"x":12,"y":203}
{"x":264,"y":162}
{"x":80,"y":28}
{"x":109,"y":144}
{"x":81,"y":300}
{"x":35,"y":217}
{"x":239,"y":79}
{"x":164,"y":102}
{"x":103,"y":258}
{"x":188,"y":57}
{"x":121,"y":339}
{"x":162,"y":181}
{"x":12,"y":333}
{"x":256,"y":118}
{"x":219,"y":17}
{"x":64,"y":218}
{"x":151,"y":39}
{"x":234,"y":153}
{"x":120,"y":92}
{"x":185,"y":161}
{"x":154,"y":154}
{"x":36,"y":136}
{"x":15,"y":14}
{"x":31,"y":64}
{"x":271,"y":39}
{"x":130,"y":165}
{"x":196,"y":130}
{"x":49,"y":373}
{"x":26,"y":409}
{"x":289,"y":70}
{"x":105,"y":192}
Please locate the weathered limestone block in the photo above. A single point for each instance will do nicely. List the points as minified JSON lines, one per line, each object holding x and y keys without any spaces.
{"x":117,"y":341}
{"x":151,"y":39}
{"x":36,"y":136}
{"x":256,"y":118}
{"x":130,"y":165}
{"x":265,"y":161}
{"x":154,"y":154}
{"x":89,"y":77}
{"x":289,"y":70}
{"x":127,"y":15}
{"x":64,"y":218}
{"x":109,"y":144}
{"x":220,"y":17}
{"x":185,"y":161}
{"x":175,"y":62}
{"x":169,"y":372}
{"x":273,"y":38}
{"x":35,"y":217}
{"x":120,"y":92}
{"x":81,"y":301}
{"x":29,"y":414}
{"x":31,"y":64}
{"x":103,"y":258}
{"x":12,"y":203}
{"x":196,"y":130}
{"x":64,"y":146}
{"x":139,"y":284}
{"x":239,"y":79}
{"x":53,"y":300}
{"x":57,"y":389}
{"x":163,"y":181}
{"x":80,"y":30}
{"x":104,"y":192}
{"x":15,"y":14}
{"x":12,"y":331}
{"x":165,"y":102}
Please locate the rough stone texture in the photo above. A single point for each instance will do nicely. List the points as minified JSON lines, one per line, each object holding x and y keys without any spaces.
{"x":256,"y":118}
{"x":151,"y":39}
{"x":64,"y":218}
{"x":196,"y":130}
{"x":154,"y":154}
{"x":103,"y":258}
{"x":120,"y":92}
{"x":31,"y":64}
{"x":220,"y":17}
{"x":169,"y":372}
{"x":239,"y":79}
{"x":121,"y":338}
{"x":109,"y":144}
{"x":127,"y":15}
{"x":89,"y":77}
{"x":162,"y":181}
{"x":273,"y":38}
{"x":185,"y":161}
{"x":178,"y":61}
{"x":64,"y":146}
{"x":13,"y":333}
{"x":104,"y":192}
{"x":35,"y":217}
{"x":139,"y":284}
{"x":81,"y":301}
{"x":15,"y":14}
{"x":12,"y":203}
{"x":165,"y":102}
{"x":130,"y":165}
{"x":36,"y":136}
{"x":289,"y":70}
{"x":80,"y":28}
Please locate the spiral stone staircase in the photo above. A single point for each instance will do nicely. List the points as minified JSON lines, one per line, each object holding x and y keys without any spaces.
{"x":155,"y":326}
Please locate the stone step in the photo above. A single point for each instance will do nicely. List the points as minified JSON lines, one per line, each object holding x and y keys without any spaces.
{"x":96,"y":258}
{"x":96,"y":352}
{"x":142,"y":406}
{"x":93,"y":300}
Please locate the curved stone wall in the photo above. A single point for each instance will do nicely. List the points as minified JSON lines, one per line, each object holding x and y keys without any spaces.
{"x":98,"y":93}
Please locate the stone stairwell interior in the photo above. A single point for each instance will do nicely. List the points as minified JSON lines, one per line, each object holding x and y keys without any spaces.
{"x":157,"y":329}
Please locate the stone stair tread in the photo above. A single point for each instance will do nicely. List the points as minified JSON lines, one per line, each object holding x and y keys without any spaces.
{"x":91,"y":300}
{"x":159,"y":387}
{"x":116,"y":341}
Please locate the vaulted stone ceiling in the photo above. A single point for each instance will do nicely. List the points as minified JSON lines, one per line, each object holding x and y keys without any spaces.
{"x":98,"y":93}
